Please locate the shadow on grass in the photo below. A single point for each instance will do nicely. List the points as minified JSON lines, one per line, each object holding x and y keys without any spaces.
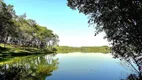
{"x":3,"y":49}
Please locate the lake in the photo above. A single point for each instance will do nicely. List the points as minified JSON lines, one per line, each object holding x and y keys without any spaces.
{"x":66,"y":66}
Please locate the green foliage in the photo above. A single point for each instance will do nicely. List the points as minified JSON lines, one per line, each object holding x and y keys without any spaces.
{"x":20,"y":31}
{"x":66,"y":49}
{"x":120,"y":20}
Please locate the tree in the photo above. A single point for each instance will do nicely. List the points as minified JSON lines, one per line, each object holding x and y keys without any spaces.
{"x":121,"y":20}
{"x":18,"y":30}
{"x":7,"y":27}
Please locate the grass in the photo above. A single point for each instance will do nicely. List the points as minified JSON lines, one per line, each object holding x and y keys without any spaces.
{"x":10,"y":60}
{"x":14,"y":50}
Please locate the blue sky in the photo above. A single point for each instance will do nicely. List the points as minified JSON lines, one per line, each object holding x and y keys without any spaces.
{"x":70,"y":25}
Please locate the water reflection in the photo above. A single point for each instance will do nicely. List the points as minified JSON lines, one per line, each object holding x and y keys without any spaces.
{"x":88,"y":66}
{"x":73,"y":66}
{"x":29,"y":68}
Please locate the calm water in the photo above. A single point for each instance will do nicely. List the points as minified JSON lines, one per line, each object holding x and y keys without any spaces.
{"x":71,"y":66}
{"x":88,"y":66}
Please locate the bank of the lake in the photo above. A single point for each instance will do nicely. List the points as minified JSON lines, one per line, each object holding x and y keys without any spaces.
{"x":15,"y":50}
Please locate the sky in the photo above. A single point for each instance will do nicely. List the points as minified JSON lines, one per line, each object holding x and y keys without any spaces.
{"x":70,"y":25}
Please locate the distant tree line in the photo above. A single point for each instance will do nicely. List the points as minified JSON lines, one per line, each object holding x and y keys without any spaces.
{"x":103,"y":49}
{"x":18,"y":30}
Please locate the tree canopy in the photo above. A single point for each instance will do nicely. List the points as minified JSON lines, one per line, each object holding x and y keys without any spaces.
{"x":121,"y":20}
{"x":18,"y":30}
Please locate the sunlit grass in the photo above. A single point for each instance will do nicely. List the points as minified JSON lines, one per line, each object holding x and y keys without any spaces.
{"x":15,"y":50}
{"x":14,"y":59}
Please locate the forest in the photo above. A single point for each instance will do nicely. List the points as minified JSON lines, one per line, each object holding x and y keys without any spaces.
{"x":18,"y":34}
